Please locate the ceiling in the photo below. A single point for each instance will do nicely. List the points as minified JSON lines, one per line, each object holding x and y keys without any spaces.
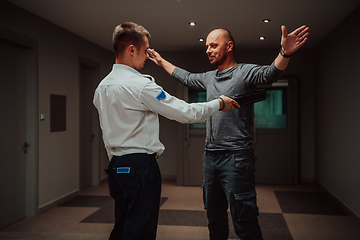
{"x":168,"y":20}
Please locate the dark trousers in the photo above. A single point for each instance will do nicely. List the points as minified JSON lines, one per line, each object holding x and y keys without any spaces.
{"x":135,"y":185}
{"x":229,"y":179}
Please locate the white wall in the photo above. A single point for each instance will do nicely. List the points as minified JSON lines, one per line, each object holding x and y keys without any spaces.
{"x":337,"y":115}
{"x":58,"y":73}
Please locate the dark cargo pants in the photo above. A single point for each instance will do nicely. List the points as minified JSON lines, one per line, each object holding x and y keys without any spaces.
{"x":229,"y":179}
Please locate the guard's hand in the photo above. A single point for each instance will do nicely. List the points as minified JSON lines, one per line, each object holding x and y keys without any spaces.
{"x":229,"y":103}
{"x":293,"y":41}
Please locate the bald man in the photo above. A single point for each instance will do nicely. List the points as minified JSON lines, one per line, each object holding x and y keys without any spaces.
{"x":229,"y":160}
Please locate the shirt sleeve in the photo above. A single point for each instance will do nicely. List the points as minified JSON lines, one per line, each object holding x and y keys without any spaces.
{"x":191,"y":80}
{"x":157,"y":100}
{"x":261,"y":75}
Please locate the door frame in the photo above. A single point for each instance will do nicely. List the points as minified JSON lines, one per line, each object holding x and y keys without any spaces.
{"x":293,"y":111}
{"x":96,"y":153}
{"x":32,"y":120}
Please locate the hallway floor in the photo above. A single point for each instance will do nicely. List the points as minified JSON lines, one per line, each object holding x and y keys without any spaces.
{"x":286,"y":213}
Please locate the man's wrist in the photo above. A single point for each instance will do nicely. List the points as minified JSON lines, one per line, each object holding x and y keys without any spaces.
{"x":222,"y":103}
{"x":284,"y":54}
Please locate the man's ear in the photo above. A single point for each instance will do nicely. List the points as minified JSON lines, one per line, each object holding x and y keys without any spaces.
{"x":230,"y":46}
{"x":131,"y":49}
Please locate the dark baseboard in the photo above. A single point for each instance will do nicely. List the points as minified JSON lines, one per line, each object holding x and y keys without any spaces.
{"x":339,"y":202}
{"x":58,"y":202}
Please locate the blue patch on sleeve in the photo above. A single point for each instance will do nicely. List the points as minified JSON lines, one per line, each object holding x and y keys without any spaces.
{"x":161,"y":96}
{"x":123,"y":170}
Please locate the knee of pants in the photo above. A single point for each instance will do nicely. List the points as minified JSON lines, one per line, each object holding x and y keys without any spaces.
{"x":245,"y":206}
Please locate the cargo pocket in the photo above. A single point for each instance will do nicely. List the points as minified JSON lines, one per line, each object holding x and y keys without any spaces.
{"x":246,"y":207}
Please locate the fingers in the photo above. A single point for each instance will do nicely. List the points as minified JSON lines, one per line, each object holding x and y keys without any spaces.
{"x":230,"y":103}
{"x":284,"y":31}
{"x":302,"y":32}
{"x":151,"y":53}
{"x":302,"y":36}
{"x":299,"y":30}
{"x":302,"y":40}
{"x":235,"y":104}
{"x":296,"y":39}
{"x":154,"y":56}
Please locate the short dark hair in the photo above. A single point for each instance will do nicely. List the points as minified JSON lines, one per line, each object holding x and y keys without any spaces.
{"x":126,"y":34}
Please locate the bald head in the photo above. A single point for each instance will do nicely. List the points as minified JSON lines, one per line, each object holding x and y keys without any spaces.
{"x":223,"y":35}
{"x":220,"y":49}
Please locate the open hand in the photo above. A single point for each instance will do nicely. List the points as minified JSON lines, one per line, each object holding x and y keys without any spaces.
{"x":293,"y":41}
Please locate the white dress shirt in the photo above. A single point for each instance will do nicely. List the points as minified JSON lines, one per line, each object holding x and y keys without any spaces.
{"x":129,"y":103}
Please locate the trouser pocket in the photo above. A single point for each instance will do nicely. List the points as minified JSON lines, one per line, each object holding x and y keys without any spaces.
{"x":246,"y":207}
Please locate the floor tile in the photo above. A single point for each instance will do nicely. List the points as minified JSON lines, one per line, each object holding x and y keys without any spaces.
{"x":168,"y":232}
{"x":51,"y":236}
{"x":274,"y":227}
{"x":60,"y":220}
{"x":307,"y":203}
{"x":183,"y":198}
{"x":182,"y":218}
{"x":322,"y":227}
{"x":88,"y":201}
{"x":266,"y":199}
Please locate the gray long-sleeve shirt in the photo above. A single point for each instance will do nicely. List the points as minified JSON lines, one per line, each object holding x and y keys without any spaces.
{"x":229,"y":130}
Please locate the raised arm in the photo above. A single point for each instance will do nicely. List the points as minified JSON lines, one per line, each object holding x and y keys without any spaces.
{"x":225,"y":103}
{"x":290,"y":43}
{"x":157,"y":59}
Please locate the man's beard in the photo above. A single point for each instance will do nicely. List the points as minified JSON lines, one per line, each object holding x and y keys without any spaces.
{"x":218,"y":62}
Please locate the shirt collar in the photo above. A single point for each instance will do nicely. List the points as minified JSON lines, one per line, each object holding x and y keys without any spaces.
{"x":126,"y":68}
{"x":123,"y":67}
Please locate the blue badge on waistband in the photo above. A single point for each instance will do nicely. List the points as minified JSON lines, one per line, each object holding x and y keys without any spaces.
{"x":123,"y":170}
{"x":161,"y":96}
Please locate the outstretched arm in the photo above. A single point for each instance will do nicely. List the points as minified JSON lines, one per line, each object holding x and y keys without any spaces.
{"x":290,"y":43}
{"x":157,"y":59}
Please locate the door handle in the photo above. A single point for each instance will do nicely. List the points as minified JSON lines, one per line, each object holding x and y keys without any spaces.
{"x":25,"y":147}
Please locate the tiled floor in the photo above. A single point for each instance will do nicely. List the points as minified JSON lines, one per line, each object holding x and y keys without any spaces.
{"x":286,"y":212}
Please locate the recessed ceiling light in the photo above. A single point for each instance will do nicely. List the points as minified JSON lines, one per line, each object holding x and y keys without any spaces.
{"x":266,"y":20}
{"x":262,"y":38}
{"x":192,"y":23}
{"x":201,"y":39}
